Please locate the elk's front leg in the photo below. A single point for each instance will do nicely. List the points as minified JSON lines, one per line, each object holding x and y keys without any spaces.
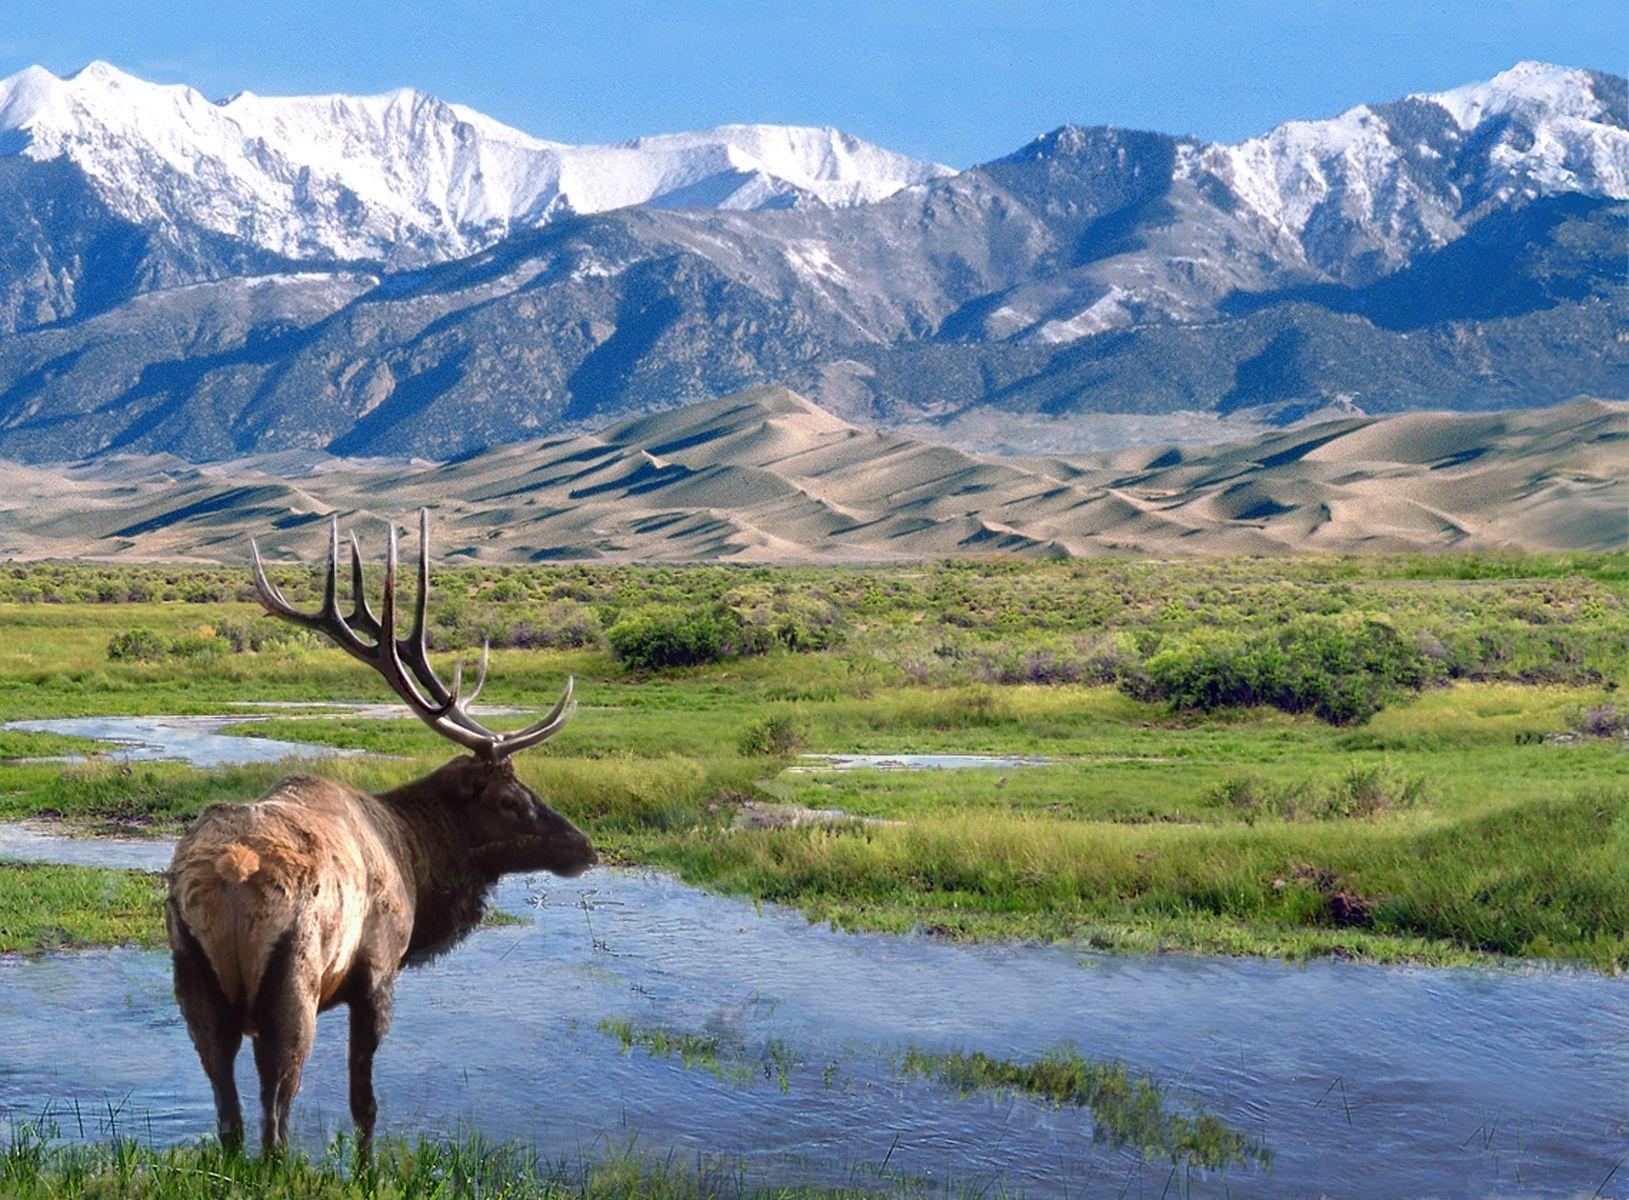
{"x":370,"y":1020}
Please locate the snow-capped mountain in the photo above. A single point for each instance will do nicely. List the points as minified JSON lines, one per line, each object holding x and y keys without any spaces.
{"x":401,"y":178}
{"x":221,"y":279}
{"x":1365,"y":191}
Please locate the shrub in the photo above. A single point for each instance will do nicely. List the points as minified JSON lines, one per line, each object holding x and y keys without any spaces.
{"x":1371,"y":791}
{"x":1358,"y":793}
{"x":1601,"y":720}
{"x":670,"y":637}
{"x":258,"y":634}
{"x":778,"y":736}
{"x":1341,"y":671}
{"x":136,"y":645}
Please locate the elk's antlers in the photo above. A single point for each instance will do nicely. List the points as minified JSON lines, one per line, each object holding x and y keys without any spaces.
{"x":405,"y":662}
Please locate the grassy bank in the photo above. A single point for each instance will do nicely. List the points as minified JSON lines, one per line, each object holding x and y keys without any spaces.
{"x":1478,"y":813}
{"x":32,"y":1168}
{"x":64,"y":908}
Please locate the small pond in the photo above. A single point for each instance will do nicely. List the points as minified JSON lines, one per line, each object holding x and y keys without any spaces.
{"x":1360,"y":1081}
{"x":915,"y":762}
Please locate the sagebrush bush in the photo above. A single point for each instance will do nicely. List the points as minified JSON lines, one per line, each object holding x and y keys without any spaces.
{"x":1340,"y":670}
{"x":775,"y":736}
{"x":671,"y":637}
{"x":1601,"y":720}
{"x":136,"y":645}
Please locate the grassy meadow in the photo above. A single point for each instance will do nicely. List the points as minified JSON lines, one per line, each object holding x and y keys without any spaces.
{"x":1396,"y":759}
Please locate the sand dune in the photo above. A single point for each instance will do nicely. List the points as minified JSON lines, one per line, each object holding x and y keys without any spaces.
{"x":767,"y":476}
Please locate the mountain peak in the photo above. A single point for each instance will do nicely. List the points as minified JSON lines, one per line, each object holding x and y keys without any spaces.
{"x":1530,"y":86}
{"x":99,"y":71}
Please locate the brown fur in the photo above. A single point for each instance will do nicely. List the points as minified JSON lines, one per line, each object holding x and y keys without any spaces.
{"x":317,"y":894}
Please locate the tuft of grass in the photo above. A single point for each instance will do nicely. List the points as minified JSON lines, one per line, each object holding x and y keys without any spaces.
{"x":692,"y":1049}
{"x":776,"y":736}
{"x":1360,"y":792}
{"x":497,"y":918}
{"x":1127,"y":1109}
{"x":730,"y":1060}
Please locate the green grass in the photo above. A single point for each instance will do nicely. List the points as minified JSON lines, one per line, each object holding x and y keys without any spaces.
{"x":54,"y":908}
{"x":1239,"y":831}
{"x":34,"y":1167}
{"x":730,"y":1059}
{"x":1128,"y":1109}
{"x":692,"y":1049}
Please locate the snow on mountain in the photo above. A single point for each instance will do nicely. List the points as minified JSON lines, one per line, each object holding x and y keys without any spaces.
{"x":401,"y":177}
{"x":1538,"y":88}
{"x":1366,"y":190}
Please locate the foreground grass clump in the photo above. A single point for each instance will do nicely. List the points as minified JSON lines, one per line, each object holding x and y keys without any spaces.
{"x":32,"y":1167}
{"x":1127,"y":1109}
{"x":53,"y":908}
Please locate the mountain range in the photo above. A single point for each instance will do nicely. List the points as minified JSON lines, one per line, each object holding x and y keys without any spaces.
{"x":767,"y":476}
{"x":400,"y":276}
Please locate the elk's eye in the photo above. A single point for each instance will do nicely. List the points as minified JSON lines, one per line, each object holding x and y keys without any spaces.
{"x":508,"y":805}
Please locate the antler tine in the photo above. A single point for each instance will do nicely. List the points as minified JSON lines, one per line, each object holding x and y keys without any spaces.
{"x":271,"y":596}
{"x":415,"y":649}
{"x":387,"y":659}
{"x":459,"y":699}
{"x":267,"y":592}
{"x":543,"y":730}
{"x":361,"y":614}
{"x":330,"y":587}
{"x":417,"y":636}
{"x":480,"y":680}
{"x":327,"y":618}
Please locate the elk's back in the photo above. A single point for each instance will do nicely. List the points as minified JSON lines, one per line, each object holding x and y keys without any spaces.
{"x":307,"y":862}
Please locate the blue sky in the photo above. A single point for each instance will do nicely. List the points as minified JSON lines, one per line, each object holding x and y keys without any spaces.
{"x":947,"y":79}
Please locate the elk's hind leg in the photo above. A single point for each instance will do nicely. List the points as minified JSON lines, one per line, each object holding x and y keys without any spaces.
{"x":370,"y":1019}
{"x":285,"y":1024}
{"x":215,"y":1025}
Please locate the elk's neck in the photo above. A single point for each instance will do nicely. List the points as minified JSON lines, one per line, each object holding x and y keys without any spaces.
{"x":448,"y":881}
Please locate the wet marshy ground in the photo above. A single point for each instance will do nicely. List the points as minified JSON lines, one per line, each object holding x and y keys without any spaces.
{"x":628,"y":1005}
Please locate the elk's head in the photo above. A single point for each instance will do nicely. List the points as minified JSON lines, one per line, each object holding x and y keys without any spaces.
{"x":508,"y":827}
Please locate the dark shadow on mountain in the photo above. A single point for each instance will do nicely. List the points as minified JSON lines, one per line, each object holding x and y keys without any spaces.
{"x":407,"y":400}
{"x":646,"y":310}
{"x":1551,"y":251}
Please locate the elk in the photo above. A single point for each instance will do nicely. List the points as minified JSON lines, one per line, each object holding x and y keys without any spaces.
{"x":318,"y":894}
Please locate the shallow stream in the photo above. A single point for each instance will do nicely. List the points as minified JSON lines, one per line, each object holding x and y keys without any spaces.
{"x":1360,"y":1081}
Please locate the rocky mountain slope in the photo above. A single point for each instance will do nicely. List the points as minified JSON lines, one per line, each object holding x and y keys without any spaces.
{"x":767,"y":476}
{"x":1463,"y":249}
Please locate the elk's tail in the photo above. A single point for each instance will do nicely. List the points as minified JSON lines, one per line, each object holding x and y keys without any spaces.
{"x":217,"y":907}
{"x":237,"y":863}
